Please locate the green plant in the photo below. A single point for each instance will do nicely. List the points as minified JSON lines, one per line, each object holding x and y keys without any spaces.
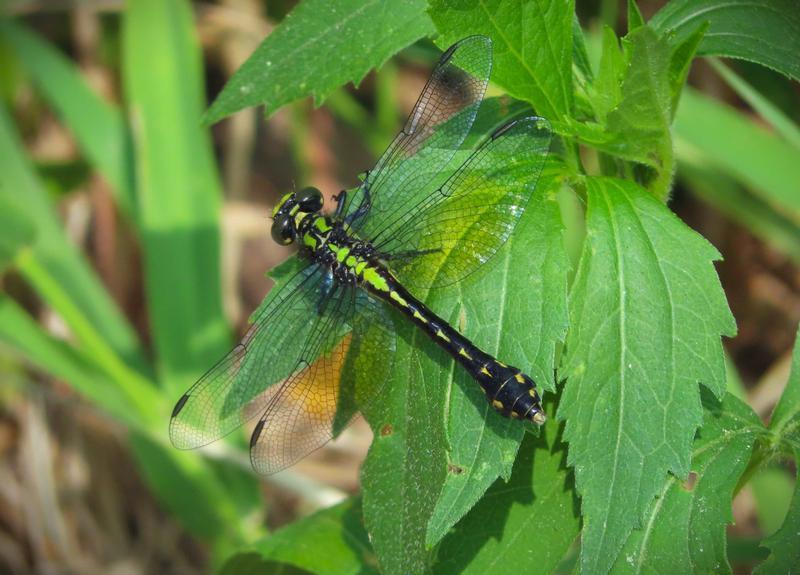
{"x":648,"y":446}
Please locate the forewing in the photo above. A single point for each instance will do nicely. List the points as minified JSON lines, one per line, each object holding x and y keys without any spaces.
{"x":232,"y":391}
{"x":467,"y":219}
{"x":434,"y":131}
{"x":335,"y":377}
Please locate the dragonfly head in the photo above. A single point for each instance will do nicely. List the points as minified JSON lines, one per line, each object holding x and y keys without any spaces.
{"x":291,"y":210}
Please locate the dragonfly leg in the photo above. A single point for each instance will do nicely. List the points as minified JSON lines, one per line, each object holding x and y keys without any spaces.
{"x":340,"y":202}
{"x":326,"y":291}
{"x":364,"y":206}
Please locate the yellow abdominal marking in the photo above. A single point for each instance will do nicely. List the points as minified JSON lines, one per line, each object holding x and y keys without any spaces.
{"x":373,"y":278}
{"x":420,"y":317}
{"x":464,"y":353}
{"x":485,"y":371}
{"x":310,"y":241}
{"x":398,"y":298}
{"x":519,"y":378}
{"x":442,"y":335}
{"x":497,"y":404}
{"x":360,"y":267}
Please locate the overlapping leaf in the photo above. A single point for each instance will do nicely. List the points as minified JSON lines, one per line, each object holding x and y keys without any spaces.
{"x":433,"y":403}
{"x":532,"y":46}
{"x":522,"y":330}
{"x":647,"y":312}
{"x":684,"y":529}
{"x":330,"y":542}
{"x":767,"y":32}
{"x":318,"y":47}
{"x":785,"y":425}
{"x":525,"y":525}
{"x":637,"y":118}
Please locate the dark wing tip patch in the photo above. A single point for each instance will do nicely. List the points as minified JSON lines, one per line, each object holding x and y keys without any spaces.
{"x":256,"y":434}
{"x":178,"y":406}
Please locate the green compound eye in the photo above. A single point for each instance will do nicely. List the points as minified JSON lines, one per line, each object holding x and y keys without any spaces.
{"x":309,"y":199}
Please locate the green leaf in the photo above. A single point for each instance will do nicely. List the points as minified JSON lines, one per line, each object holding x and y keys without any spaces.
{"x":608,"y":84}
{"x":580,"y":56}
{"x":532,"y":46}
{"x":177,"y":189}
{"x":646,"y":311}
{"x":99,"y":127}
{"x":62,"y":278}
{"x":635,"y":19}
{"x":637,"y":128}
{"x":16,"y":231}
{"x":521,"y":331}
{"x":427,"y":392}
{"x":766,"y":32}
{"x":707,"y":129}
{"x":785,"y":426}
{"x":684,"y":529}
{"x":525,"y":525}
{"x":784,"y":543}
{"x":772,"y":489}
{"x":404,"y":470}
{"x":680,"y":62}
{"x":318,"y":47}
{"x":329,"y":542}
{"x":785,"y":420}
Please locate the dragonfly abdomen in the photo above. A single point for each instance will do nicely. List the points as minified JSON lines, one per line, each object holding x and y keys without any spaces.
{"x":510,"y":391}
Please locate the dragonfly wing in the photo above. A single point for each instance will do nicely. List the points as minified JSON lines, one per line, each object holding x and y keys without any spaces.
{"x":335,"y":376}
{"x":232,"y":391}
{"x":469,"y":217}
{"x":434,"y":131}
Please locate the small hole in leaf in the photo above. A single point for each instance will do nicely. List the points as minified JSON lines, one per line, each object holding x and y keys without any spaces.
{"x":387,"y":430}
{"x":690,"y":482}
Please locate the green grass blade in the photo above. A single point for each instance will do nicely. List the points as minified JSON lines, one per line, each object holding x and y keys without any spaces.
{"x":178,"y":195}
{"x":16,"y":231}
{"x":130,"y":404}
{"x":769,"y":111}
{"x":737,"y":146}
{"x":58,"y":272}
{"x":98,"y":127}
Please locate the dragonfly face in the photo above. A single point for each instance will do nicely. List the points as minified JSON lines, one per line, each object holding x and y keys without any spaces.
{"x":292,"y":209}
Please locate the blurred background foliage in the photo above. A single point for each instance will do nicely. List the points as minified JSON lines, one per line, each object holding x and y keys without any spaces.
{"x":141,"y":243}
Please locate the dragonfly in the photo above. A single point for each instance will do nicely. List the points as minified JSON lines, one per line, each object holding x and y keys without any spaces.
{"x":414,"y":222}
